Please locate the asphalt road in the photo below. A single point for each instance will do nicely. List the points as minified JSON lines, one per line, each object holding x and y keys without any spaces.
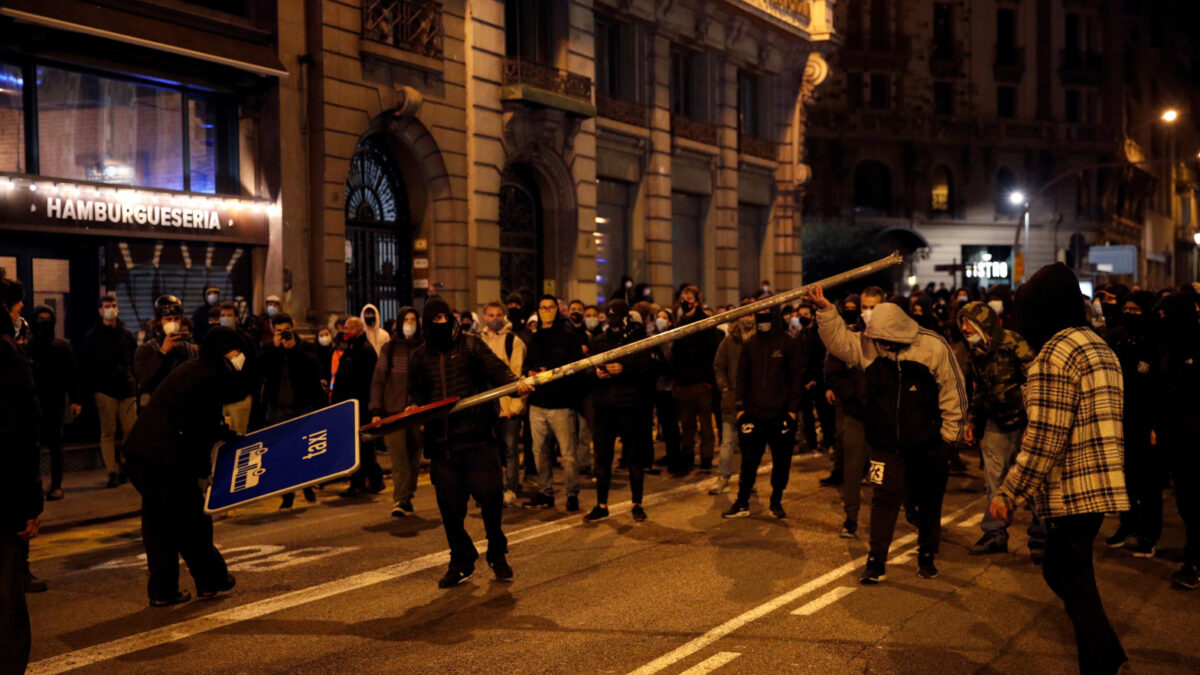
{"x":343,"y":587}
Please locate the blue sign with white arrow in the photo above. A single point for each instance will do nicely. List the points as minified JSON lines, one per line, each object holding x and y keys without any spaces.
{"x":314,"y":448}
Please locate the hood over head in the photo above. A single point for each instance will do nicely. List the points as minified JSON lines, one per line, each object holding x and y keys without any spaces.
{"x":1048,"y":303}
{"x":986,"y":320}
{"x":378,"y":316}
{"x":443,"y":339}
{"x":219,"y":341}
{"x":1143,"y":299}
{"x":890,"y":323}
{"x":400,"y":322}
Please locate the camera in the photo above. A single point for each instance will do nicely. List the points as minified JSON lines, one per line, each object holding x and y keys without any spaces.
{"x":287,"y":335}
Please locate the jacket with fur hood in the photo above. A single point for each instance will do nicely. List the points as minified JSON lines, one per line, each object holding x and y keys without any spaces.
{"x":915,"y":398}
{"x":998,"y":365}
{"x":510,"y":406}
{"x":377,"y":337}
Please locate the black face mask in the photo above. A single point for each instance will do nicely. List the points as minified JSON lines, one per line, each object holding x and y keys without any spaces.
{"x":1136,"y":323}
{"x":576,"y":317}
{"x":440,"y":335}
{"x":514,"y":316}
{"x":43,"y":330}
{"x":805,"y":320}
{"x":369,"y":320}
{"x":686,"y":306}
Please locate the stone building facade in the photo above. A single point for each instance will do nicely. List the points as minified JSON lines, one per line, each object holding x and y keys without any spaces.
{"x":480,"y":148}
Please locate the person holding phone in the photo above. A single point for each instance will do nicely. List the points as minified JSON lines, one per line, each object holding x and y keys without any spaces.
{"x":169,"y":345}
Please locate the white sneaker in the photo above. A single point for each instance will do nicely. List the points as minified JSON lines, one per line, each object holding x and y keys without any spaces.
{"x":510,"y":498}
{"x":720,"y":486}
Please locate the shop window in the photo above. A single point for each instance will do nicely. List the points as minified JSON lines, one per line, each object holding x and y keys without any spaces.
{"x":872,"y":189}
{"x":613,"y":206}
{"x":943,"y":99}
{"x":12,"y":119}
{"x":941,"y":192}
{"x":1006,"y":102}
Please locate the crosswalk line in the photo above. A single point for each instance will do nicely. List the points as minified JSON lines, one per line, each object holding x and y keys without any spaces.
{"x":824,"y":601}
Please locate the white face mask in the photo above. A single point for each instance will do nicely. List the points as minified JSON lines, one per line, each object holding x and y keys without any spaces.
{"x":170,"y":327}
{"x":997,"y":306}
{"x":591,"y":322}
{"x":628,"y":284}
{"x":228,"y":321}
{"x":866,"y":315}
{"x":272,"y":310}
{"x":975,"y":340}
{"x":409,"y":329}
{"x":763,"y":326}
{"x":794,"y":322}
{"x":660,"y":324}
{"x":213,"y":298}
{"x":324,"y":340}
{"x":238,"y":361}
{"x":109,"y":314}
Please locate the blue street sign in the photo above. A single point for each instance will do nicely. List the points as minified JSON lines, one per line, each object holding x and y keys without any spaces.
{"x":307,"y":450}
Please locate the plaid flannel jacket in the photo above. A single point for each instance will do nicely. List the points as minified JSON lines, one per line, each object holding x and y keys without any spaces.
{"x":1072,"y":458}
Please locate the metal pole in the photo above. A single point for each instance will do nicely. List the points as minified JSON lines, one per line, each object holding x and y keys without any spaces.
{"x":1025,"y":267}
{"x":676,"y":333}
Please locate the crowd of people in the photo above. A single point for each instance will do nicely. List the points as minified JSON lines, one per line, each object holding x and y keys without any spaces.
{"x":1077,"y":406}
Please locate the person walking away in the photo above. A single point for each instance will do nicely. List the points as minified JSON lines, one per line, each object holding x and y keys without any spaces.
{"x":998,"y":360}
{"x":1071,"y":460}
{"x":291,"y":384}
{"x":169,"y":345}
{"x":498,"y":335}
{"x":768,"y":399}
{"x":373,"y":327}
{"x":389,"y":396}
{"x":623,"y":391}
{"x":355,"y":370}
{"x":550,"y":408}
{"x":845,"y":389}
{"x":464,"y":460}
{"x":212,"y":301}
{"x":915,"y":406}
{"x":170,"y":459}
{"x":107,"y":362}
{"x":57,"y":382}
{"x":725,"y":370}
{"x":692,"y":359}
{"x":20,"y":480}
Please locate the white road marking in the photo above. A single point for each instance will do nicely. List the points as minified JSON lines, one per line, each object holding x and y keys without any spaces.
{"x":202,"y":624}
{"x":824,"y":601}
{"x":711,"y":663}
{"x":973,"y":521}
{"x":766,"y":608}
{"x":903,"y":557}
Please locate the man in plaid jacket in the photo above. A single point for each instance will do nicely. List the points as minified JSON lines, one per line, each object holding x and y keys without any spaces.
{"x":1071,"y":464}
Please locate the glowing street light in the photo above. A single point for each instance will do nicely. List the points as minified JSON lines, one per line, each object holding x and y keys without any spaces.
{"x":1196,"y":238}
{"x":1170,"y":115}
{"x":1016,"y":198}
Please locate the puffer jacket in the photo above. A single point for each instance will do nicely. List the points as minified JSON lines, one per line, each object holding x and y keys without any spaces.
{"x":914,"y":399}
{"x":998,"y":366}
{"x":767,"y":385}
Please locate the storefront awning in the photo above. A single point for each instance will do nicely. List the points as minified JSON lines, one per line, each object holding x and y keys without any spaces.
{"x":135,"y":29}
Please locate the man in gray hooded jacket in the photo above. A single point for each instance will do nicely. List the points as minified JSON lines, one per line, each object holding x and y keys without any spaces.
{"x":914,"y":407}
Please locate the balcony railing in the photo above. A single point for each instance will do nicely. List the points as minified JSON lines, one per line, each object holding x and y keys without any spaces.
{"x":686,"y":127}
{"x":1080,"y":67}
{"x":1009,"y":65}
{"x":553,"y":80}
{"x":757,"y":147}
{"x":946,"y":60}
{"x":629,"y":112}
{"x":892,"y":57}
{"x":411,"y":25}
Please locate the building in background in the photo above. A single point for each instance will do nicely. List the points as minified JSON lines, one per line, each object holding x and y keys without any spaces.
{"x":943,"y":118}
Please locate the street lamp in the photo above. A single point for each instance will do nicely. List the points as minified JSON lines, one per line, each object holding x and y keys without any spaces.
{"x":1016,"y":198}
{"x":1196,"y":238}
{"x":1170,"y":115}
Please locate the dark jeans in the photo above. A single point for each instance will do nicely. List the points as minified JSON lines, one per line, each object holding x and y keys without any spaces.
{"x":508,"y":430}
{"x":52,"y":438}
{"x":1068,"y":571}
{"x":458,"y":477}
{"x":174,"y":524}
{"x":667,"y":410}
{"x":695,"y":408}
{"x":633,"y":426}
{"x":1145,"y":474}
{"x":15,"y":635}
{"x":919,"y":483}
{"x":755,"y":434}
{"x":809,"y":419}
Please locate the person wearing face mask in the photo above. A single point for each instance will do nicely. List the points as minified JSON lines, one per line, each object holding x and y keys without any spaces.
{"x":377,"y":337}
{"x":106,"y":367}
{"x":325,"y":349}
{"x":693,"y":376}
{"x":291,"y":383}
{"x":764,"y":289}
{"x":625,"y":291}
{"x":498,"y":335}
{"x":725,"y":369}
{"x":461,"y":449}
{"x":999,"y":298}
{"x":845,"y":387}
{"x":389,"y":396}
{"x":768,"y":399}
{"x":212,"y":300}
{"x":168,"y":346}
{"x":644,"y":293}
{"x":264,"y":321}
{"x":169,"y":458}
{"x":915,"y":405}
{"x":999,"y":359}
{"x":666,"y":408}
{"x":809,"y":353}
{"x":575,"y":310}
{"x":57,"y":382}
{"x":592,"y":322}
{"x":355,"y":372}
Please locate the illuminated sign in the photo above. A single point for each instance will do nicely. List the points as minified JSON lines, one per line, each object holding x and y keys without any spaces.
{"x":27,"y":203}
{"x":987,"y":265}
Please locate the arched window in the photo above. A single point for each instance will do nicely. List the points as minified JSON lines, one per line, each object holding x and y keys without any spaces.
{"x":378,"y":232}
{"x":872,"y":189}
{"x":941,"y":192}
{"x":1006,"y":185}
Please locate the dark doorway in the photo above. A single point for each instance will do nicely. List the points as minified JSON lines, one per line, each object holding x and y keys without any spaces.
{"x":378,"y":233}
{"x":520,"y":234}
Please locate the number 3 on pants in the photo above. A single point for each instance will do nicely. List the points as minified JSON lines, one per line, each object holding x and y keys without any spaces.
{"x":875,"y":473}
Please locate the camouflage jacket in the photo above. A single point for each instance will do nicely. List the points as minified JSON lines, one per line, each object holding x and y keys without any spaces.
{"x":998,"y":366}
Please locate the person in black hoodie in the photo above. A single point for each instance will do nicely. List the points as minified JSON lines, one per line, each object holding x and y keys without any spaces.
{"x":169,"y":459}
{"x":623,"y":395}
{"x":353,"y":381}
{"x":389,"y":396}
{"x":20,"y":482}
{"x":291,"y":382}
{"x":768,"y":400}
{"x":58,"y":389}
{"x":692,"y":359}
{"x":463,"y":451}
{"x":107,"y":362}
{"x":551,"y":408}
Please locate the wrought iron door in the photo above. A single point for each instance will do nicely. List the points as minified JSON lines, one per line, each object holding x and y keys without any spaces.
{"x":378,"y":233}
{"x":520,"y":235}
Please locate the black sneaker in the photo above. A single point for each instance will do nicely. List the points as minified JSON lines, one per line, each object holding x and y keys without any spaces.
{"x":539,"y":501}
{"x":925,"y":566}
{"x":407,"y":508}
{"x":210,"y":593}
{"x":875,"y":572}
{"x":1120,"y":539}
{"x":776,"y":510}
{"x":179,"y":598}
{"x":597,"y":514}
{"x":501,"y":568}
{"x":737,"y":510}
{"x":1037,"y":554}
{"x":572,"y":504}
{"x":990,"y":543}
{"x":849,"y":529}
{"x":54,"y":494}
{"x":1185,"y":578}
{"x":834,"y":479}
{"x":453,"y":578}
{"x":639,"y":514}
{"x":1141,"y":549}
{"x":398,"y":512}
